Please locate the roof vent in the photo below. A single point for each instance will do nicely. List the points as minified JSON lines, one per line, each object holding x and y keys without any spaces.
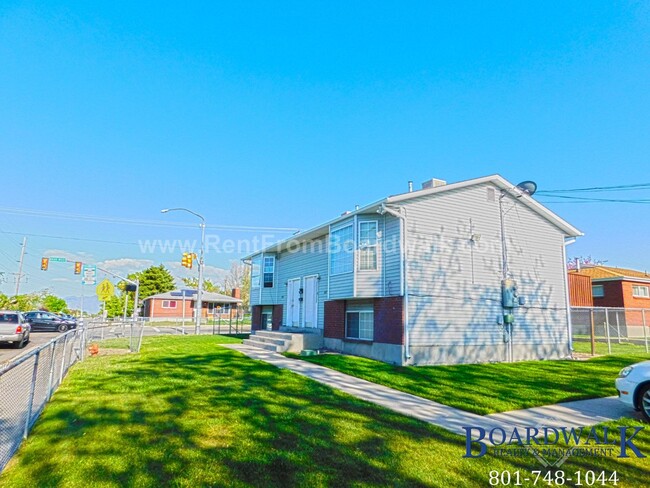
{"x":433,"y":183}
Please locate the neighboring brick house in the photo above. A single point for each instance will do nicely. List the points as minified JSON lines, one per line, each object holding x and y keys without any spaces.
{"x":181,"y":303}
{"x":416,"y":278}
{"x":617,"y":287}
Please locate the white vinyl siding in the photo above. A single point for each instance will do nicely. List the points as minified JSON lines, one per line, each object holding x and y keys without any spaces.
{"x":641,"y":292}
{"x":342,"y":250}
{"x":454,"y":285}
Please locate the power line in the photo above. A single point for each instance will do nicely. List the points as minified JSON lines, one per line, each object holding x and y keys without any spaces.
{"x":152,"y":223}
{"x":595,"y":200}
{"x":632,"y":187}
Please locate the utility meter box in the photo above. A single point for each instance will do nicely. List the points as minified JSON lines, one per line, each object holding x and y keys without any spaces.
{"x":509,"y":293}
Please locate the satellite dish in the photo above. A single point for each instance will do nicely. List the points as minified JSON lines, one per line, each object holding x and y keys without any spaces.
{"x":527,"y":187}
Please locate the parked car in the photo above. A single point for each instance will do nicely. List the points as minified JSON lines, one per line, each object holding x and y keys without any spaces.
{"x":47,"y":321}
{"x":14,"y":329}
{"x":68,"y":318}
{"x":633,"y":385}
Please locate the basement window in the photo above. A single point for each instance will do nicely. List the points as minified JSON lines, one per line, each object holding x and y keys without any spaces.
{"x":597,"y":291}
{"x":359,"y":325}
{"x":641,"y":292}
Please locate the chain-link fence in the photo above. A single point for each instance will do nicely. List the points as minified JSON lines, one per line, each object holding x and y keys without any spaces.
{"x":127,"y":334}
{"x":27,"y":383}
{"x":619,"y":329}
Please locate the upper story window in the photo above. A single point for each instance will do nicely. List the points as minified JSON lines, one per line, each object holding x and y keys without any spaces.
{"x":255,"y":272}
{"x":597,"y":291}
{"x":342,"y":250}
{"x":641,"y":291}
{"x":368,"y":245}
{"x":269,"y":269}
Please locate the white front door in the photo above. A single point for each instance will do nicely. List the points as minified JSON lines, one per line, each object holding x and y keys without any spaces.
{"x":311,"y":301}
{"x":293,"y":302}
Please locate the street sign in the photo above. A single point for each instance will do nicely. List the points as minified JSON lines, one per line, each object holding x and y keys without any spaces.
{"x":58,"y":260}
{"x":105,"y":290}
{"x":89,"y":274}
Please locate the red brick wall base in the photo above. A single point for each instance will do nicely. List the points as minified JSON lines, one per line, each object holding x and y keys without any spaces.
{"x":389,"y":320}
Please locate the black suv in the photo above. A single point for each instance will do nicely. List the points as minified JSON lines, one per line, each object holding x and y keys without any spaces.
{"x":46,"y":321}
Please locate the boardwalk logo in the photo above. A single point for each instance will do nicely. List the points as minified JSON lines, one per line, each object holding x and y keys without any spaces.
{"x":552,"y":446}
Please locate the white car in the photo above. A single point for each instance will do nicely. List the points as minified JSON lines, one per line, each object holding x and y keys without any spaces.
{"x":633,"y":385}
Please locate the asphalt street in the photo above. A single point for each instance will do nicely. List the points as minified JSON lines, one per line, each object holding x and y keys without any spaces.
{"x":36,"y":339}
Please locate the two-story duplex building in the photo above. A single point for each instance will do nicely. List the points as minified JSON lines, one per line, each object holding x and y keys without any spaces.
{"x":416,"y":278}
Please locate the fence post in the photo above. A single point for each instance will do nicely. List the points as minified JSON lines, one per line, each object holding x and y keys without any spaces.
{"x":51,"y":377}
{"x":593,"y":332}
{"x":32,"y":389}
{"x":609,"y":342}
{"x":645,"y":331}
{"x":65,"y":344}
{"x":618,"y":328}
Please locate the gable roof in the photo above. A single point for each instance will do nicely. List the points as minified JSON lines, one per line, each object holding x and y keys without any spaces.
{"x":207,"y":296}
{"x":612,"y":273}
{"x":497,"y":180}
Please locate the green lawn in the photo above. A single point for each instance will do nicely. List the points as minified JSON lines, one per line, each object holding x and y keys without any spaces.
{"x":188,"y":413}
{"x":490,"y":388}
{"x":626,"y":348}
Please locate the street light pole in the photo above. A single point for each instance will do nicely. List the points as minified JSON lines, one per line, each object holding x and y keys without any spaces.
{"x":199,"y":292}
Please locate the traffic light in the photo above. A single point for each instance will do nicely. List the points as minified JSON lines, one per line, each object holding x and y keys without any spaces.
{"x":187,"y":260}
{"x":77,"y":267}
{"x":44,"y":263}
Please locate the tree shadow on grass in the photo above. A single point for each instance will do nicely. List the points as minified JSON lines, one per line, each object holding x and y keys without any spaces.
{"x":217,"y":418}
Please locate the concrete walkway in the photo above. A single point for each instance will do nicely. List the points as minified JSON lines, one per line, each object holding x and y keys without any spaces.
{"x":570,"y":414}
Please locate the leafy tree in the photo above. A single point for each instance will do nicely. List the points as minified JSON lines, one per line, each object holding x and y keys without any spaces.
{"x":153,"y":280}
{"x":208,"y":285}
{"x":4,"y":301}
{"x":24,"y":303}
{"x":115,"y":306}
{"x":55,"y":304}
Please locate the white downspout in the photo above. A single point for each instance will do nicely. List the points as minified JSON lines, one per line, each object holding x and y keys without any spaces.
{"x":566,"y":291}
{"x":405,"y":283}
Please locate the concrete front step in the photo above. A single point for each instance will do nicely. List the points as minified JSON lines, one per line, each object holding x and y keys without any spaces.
{"x":269,"y":340}
{"x":273,"y":334}
{"x":261,"y":345}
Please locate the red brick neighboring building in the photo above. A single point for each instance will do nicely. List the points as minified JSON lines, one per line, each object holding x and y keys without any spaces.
{"x":170,"y":305}
{"x":618,"y":287}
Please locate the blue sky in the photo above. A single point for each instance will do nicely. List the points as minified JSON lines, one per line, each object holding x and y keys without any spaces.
{"x":286,"y":114}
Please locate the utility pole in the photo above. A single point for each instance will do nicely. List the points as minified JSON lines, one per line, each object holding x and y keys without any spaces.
{"x":20,"y":266}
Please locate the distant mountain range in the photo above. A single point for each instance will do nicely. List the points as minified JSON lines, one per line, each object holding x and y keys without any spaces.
{"x":91,"y":303}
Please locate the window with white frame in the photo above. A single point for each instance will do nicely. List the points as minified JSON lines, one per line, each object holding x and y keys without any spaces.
{"x":342,"y":250}
{"x":359,"y":324}
{"x":269,"y":269}
{"x":597,"y":291}
{"x":641,"y":291}
{"x":255,"y":272}
{"x":169,"y":304}
{"x":368,"y":245}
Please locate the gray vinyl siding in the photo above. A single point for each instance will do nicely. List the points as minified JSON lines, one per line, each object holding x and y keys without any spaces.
{"x":311,"y":259}
{"x":269,"y":294}
{"x":392,"y":257}
{"x":454,"y":285}
{"x":255,"y":290}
